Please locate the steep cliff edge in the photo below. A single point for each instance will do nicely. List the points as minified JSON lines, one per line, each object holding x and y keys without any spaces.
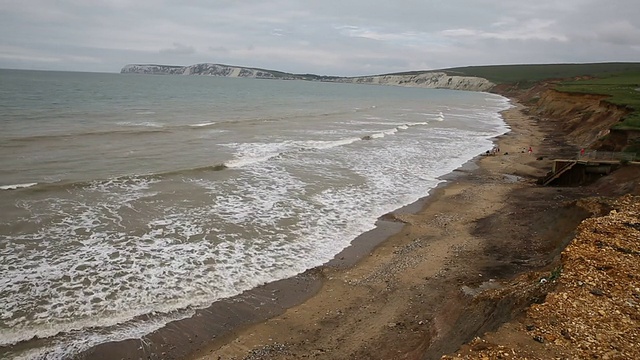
{"x":585,"y":120}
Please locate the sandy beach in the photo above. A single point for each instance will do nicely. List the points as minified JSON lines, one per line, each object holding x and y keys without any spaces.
{"x":405,"y":296}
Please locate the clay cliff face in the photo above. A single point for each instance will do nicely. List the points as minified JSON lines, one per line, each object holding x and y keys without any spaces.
{"x":584,"y":119}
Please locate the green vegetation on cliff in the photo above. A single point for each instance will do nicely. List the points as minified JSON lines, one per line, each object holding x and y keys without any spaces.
{"x":622,"y":88}
{"x":619,"y":81}
{"x":529,"y":74}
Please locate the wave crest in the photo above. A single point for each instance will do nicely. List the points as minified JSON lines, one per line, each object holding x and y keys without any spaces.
{"x":17,"y":186}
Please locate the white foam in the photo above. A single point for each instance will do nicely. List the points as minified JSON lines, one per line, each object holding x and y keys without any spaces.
{"x":203,"y":124}
{"x":17,"y":186}
{"x":320,"y":144}
{"x":140,"y":124}
{"x":164,"y":222}
{"x":245,"y":161}
{"x":386,"y":123}
{"x":75,"y":342}
{"x":253,"y":153}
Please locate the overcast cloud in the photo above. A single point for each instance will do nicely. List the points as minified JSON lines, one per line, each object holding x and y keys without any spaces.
{"x":343,"y":37}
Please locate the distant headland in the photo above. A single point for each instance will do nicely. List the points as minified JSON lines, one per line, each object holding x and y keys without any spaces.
{"x":425,"y":79}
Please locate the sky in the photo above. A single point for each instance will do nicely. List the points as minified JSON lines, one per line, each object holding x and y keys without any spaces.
{"x":323,"y":37}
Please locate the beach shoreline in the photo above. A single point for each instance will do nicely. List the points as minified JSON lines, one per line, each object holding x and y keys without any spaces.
{"x":398,"y":289}
{"x":219,"y":323}
{"x":404,"y":299}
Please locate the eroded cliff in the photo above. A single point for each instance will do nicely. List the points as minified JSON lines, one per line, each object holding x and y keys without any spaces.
{"x":586,"y":120}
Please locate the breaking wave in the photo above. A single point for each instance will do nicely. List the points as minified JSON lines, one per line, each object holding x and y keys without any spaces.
{"x":17,"y":186}
{"x":247,"y":156}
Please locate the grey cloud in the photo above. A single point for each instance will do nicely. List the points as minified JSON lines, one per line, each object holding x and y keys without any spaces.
{"x":218,"y":49}
{"x":621,"y":33}
{"x":345,"y":37}
{"x":178,"y":49}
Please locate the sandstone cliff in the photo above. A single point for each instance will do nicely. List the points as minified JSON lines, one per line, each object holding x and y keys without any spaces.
{"x":433,"y":80}
{"x":586,"y":120}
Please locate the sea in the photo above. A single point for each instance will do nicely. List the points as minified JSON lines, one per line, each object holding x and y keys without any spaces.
{"x":129,"y":201}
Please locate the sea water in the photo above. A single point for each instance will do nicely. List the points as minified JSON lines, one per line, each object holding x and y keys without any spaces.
{"x":131,"y":195}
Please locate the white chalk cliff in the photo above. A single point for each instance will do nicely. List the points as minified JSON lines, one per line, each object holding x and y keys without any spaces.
{"x":433,"y":80}
{"x":427,"y":79}
{"x":198,"y":69}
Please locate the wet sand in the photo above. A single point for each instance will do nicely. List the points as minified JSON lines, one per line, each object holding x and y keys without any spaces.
{"x":405,"y":289}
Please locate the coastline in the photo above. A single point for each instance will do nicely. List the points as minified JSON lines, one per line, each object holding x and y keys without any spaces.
{"x":219,"y":323}
{"x":406,"y":297}
{"x":398,"y":289}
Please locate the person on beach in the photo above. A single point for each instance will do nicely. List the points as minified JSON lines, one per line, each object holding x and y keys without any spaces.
{"x":582,"y":152}
{"x":530,"y":150}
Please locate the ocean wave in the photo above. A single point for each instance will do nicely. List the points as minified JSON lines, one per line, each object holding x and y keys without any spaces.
{"x":140,"y":124}
{"x":135,"y":128}
{"x":125,"y":129}
{"x":244,"y":161}
{"x":66,"y":340}
{"x":285,"y":117}
{"x":250,"y":154}
{"x":203,"y":124}
{"x":328,"y":144}
{"x":108,"y":182}
{"x":17,"y":186}
{"x":373,"y":136}
{"x":438,"y":117}
{"x":392,"y":131}
{"x":122,"y":132}
{"x":264,"y":152}
{"x":360,"y":122}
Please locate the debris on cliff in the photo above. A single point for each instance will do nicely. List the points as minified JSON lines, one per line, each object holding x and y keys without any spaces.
{"x":594,"y":311}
